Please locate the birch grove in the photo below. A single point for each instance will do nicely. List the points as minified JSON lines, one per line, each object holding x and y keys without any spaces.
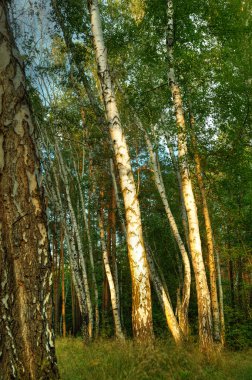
{"x":125,"y":187}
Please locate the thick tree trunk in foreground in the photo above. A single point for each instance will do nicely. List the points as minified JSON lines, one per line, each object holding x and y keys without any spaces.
{"x":209,"y":237}
{"x":141,"y":291}
{"x":203,"y":295}
{"x":26,"y":340}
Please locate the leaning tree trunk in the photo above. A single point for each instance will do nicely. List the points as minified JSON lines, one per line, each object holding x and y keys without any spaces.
{"x":184,"y":304}
{"x":203,"y":295}
{"x":158,"y":282}
{"x":209,"y":237}
{"x":141,"y":291}
{"x":79,"y":242}
{"x":26,"y":341}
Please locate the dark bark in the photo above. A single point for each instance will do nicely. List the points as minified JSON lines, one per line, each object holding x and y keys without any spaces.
{"x":26,"y":340}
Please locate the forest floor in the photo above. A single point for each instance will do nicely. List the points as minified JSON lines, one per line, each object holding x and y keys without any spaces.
{"x":111,"y":360}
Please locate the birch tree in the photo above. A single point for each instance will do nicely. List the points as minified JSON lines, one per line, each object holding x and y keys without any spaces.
{"x":141,"y":292}
{"x":203,"y":295}
{"x":27,"y":341}
{"x":209,"y":239}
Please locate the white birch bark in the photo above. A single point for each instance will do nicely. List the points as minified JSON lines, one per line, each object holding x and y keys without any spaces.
{"x":183,"y":309}
{"x":141,"y":291}
{"x":165,"y":302}
{"x":159,"y":285}
{"x":203,"y":295}
{"x":209,"y":237}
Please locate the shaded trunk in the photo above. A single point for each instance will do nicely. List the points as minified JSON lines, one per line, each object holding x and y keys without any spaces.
{"x":63,"y":306}
{"x":73,"y":305}
{"x":55,"y":280}
{"x":73,"y":257}
{"x":79,"y":244}
{"x":182,"y":203}
{"x":118,"y":328}
{"x":91,"y":256}
{"x":113,"y":246}
{"x":222,"y":317}
{"x":27,"y":341}
{"x":231,"y":279}
{"x":141,"y":291}
{"x":203,"y":295}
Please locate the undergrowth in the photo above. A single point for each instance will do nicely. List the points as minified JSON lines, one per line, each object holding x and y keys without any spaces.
{"x":112,"y":360}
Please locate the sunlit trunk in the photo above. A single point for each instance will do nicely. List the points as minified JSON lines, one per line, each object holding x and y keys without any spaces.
{"x":184,"y":304}
{"x":141,"y":291}
{"x":209,"y":238}
{"x":203,"y":295}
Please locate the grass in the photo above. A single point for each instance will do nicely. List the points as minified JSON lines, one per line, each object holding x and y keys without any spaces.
{"x":112,"y":360}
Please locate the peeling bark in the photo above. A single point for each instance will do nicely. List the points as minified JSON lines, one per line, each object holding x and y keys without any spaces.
{"x":203,"y":295}
{"x":26,"y":340}
{"x":141,"y":291}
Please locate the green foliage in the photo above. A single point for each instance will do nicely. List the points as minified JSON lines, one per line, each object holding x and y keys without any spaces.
{"x":105,"y":360}
{"x":238,"y":329}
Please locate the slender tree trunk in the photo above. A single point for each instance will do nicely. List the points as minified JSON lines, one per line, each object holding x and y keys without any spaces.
{"x":27,"y":342}
{"x":222,"y":317}
{"x":203,"y":295}
{"x":119,"y":210}
{"x":118,"y":328}
{"x":79,"y":244}
{"x":73,"y":257}
{"x":182,"y":203}
{"x":105,"y":286}
{"x":63,"y":308}
{"x":113,"y":246}
{"x":91,"y":256}
{"x":159,"y":284}
{"x":165,"y":302}
{"x":184,"y":304}
{"x":141,"y":291}
{"x":209,"y":237}
{"x":231,"y":279}
{"x":55,"y":280}
{"x":73,"y":305}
